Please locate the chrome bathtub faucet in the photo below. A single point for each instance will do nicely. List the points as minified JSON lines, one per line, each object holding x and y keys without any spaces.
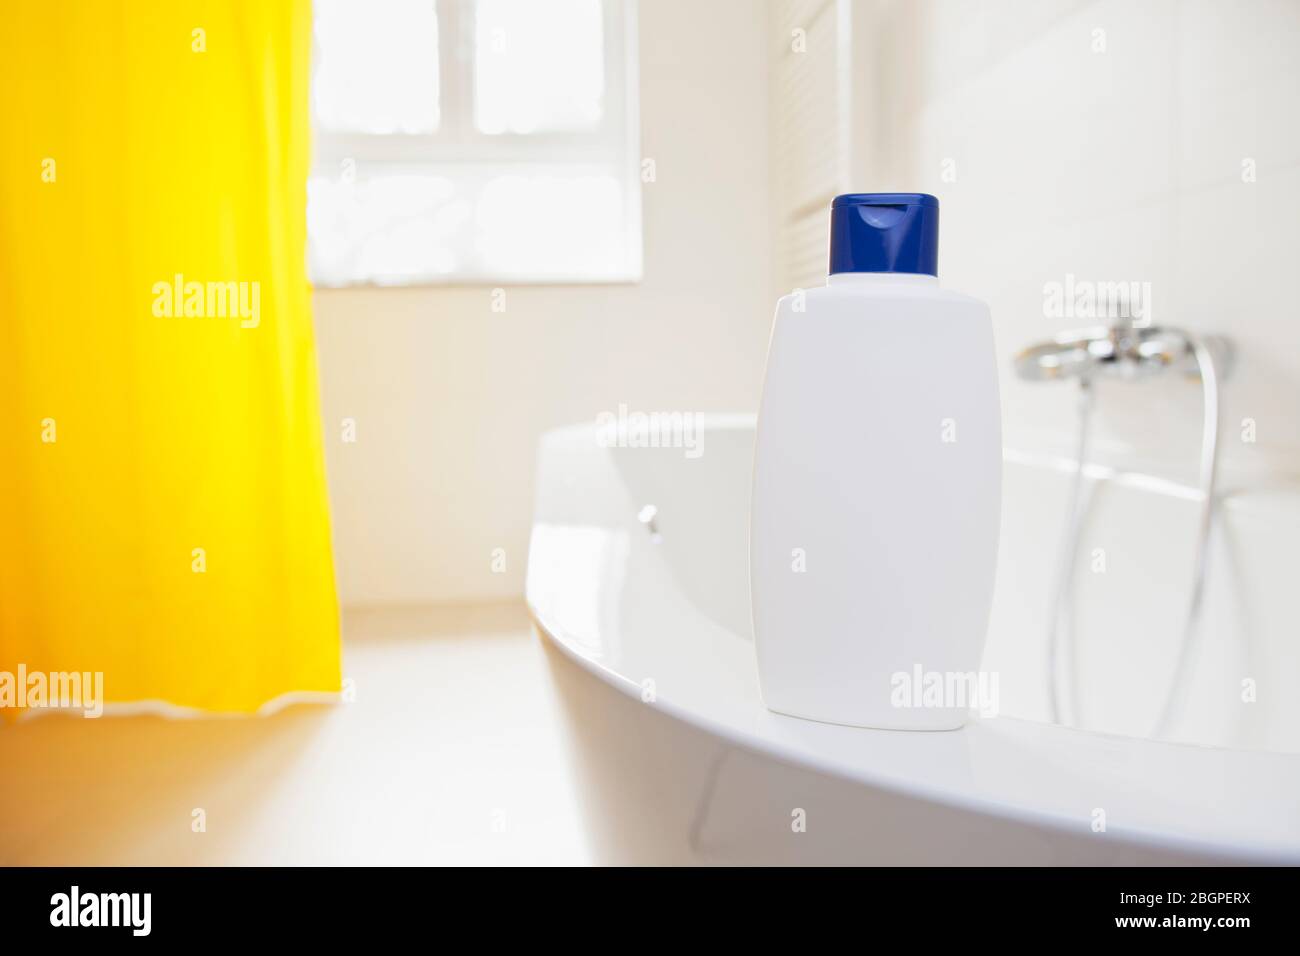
{"x":1127,"y":351}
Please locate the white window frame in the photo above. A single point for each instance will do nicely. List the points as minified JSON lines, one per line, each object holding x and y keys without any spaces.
{"x":614,"y":144}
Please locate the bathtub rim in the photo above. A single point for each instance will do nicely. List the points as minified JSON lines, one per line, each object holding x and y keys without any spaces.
{"x":1165,"y":824}
{"x":1214,"y":851}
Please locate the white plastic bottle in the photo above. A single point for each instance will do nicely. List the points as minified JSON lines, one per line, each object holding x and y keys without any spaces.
{"x":877,"y":479}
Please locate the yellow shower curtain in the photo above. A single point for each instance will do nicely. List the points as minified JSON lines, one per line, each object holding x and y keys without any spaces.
{"x":163,"y":513}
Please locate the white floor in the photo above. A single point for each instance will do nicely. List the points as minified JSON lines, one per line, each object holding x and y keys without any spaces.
{"x":453,"y":752}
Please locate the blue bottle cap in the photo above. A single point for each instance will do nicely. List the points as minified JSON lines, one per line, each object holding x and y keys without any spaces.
{"x":885,"y":232}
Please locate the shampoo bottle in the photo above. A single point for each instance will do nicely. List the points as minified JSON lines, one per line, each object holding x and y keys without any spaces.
{"x":877,"y":475}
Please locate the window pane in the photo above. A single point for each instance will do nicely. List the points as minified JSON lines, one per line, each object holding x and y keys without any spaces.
{"x":392,"y":228}
{"x":538,"y":65}
{"x":550,"y":224}
{"x":487,"y":222}
{"x":377,"y":66}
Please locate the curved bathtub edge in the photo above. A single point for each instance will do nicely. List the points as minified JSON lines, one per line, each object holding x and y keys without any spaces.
{"x":1146,"y":838}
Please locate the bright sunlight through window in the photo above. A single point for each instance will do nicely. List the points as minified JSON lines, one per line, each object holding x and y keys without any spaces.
{"x":462,"y":141}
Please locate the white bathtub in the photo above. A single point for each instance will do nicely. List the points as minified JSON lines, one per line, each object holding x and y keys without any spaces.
{"x":682,"y":763}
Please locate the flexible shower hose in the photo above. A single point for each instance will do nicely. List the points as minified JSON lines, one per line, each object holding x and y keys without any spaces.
{"x":1061,"y":640}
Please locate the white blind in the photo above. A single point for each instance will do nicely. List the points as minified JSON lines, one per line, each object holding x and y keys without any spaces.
{"x":808,"y":146}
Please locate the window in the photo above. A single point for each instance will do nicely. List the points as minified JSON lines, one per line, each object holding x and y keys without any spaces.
{"x":462,"y":141}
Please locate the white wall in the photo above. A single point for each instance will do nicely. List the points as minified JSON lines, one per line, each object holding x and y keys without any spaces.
{"x":1117,"y":165}
{"x":449,"y":397}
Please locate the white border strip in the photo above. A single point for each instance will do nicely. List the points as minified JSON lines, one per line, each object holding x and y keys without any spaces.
{"x":162,"y":708}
